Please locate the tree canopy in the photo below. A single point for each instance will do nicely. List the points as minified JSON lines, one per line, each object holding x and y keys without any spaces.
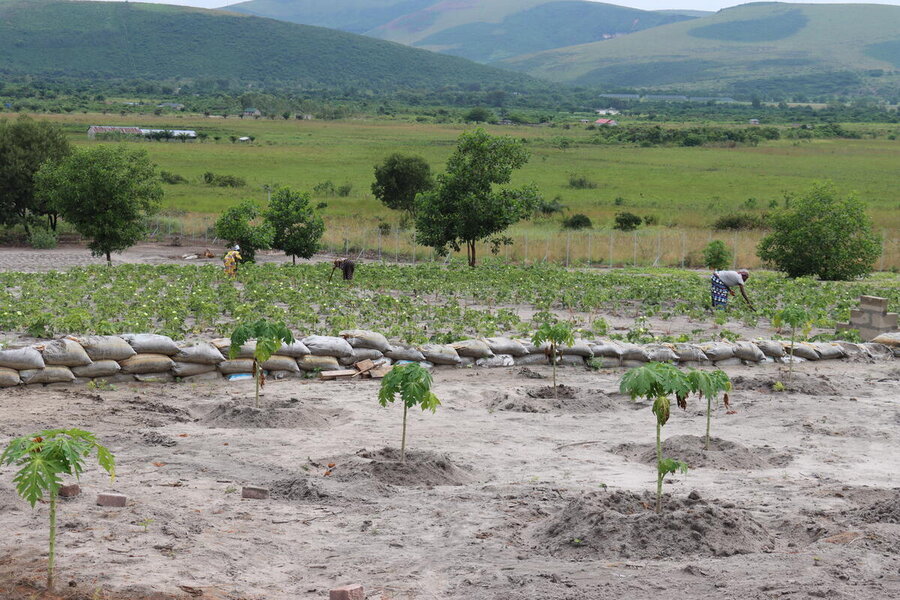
{"x":399,"y":179}
{"x":105,"y":192}
{"x":296,"y":224}
{"x":465,"y":208}
{"x":240,"y":225}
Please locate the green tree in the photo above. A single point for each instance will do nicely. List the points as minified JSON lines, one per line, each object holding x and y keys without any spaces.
{"x":105,"y":192}
{"x":479,"y":114}
{"x":297,"y":226}
{"x":242,"y":225}
{"x":26,"y":144}
{"x":556,"y":334}
{"x":716,"y":255}
{"x":412,"y":382}
{"x":464,"y":208}
{"x":822,"y":234}
{"x":46,"y":455}
{"x":268,"y":336}
{"x":399,"y":179}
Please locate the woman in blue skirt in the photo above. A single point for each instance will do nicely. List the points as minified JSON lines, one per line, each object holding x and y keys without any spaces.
{"x":723,"y":283}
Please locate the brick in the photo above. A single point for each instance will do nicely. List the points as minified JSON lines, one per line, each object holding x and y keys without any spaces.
{"x":69,"y":491}
{"x":347,"y":592}
{"x":873,"y":303}
{"x":885,"y":322}
{"x":254,"y":493}
{"x":111,"y":500}
{"x":860,"y":317}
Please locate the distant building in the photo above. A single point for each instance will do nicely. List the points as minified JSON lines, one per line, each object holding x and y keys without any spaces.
{"x":251,"y":112}
{"x":621,"y":96}
{"x":175,"y":133}
{"x":172,"y":105}
{"x":606,"y":122}
{"x":606,"y":111}
{"x":665,"y":98}
{"x":244,"y":139}
{"x":753,"y":121}
{"x":93,"y":130}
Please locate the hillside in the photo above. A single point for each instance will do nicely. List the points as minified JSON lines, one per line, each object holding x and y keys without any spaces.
{"x":480,"y":30}
{"x":114,"y":40}
{"x":753,"y":48}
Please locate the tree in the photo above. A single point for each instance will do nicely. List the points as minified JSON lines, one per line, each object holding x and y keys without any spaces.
{"x":105,"y":192}
{"x":716,"y":255}
{"x":297,"y":226}
{"x":556,"y":334}
{"x":626,"y":221}
{"x":25,"y":145}
{"x":268,"y":336}
{"x":399,"y":179}
{"x":464,"y":207}
{"x":413,"y":382}
{"x":822,"y":234}
{"x":46,"y":455}
{"x":240,"y":225}
{"x":479,"y":114}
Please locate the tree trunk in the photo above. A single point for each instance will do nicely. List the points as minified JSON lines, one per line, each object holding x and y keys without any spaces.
{"x":708,"y":412}
{"x":403,"y":437}
{"x":52,"y":558}
{"x":659,"y":473}
{"x":108,"y":260}
{"x":256,"y":377}
{"x":294,"y":258}
{"x":470,"y":246}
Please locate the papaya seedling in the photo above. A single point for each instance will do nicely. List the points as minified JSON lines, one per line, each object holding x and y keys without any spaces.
{"x":268,"y":336}
{"x":708,"y":384}
{"x":796,"y":317}
{"x":657,"y":381}
{"x":412,"y":382}
{"x":43,"y":458}
{"x":556,"y":334}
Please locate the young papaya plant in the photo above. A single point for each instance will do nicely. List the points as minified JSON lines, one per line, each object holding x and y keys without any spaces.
{"x":268,"y":336}
{"x":797,"y":317}
{"x":708,"y":384}
{"x":412,"y":382}
{"x":657,"y":381}
{"x":556,"y":334}
{"x":43,"y":457}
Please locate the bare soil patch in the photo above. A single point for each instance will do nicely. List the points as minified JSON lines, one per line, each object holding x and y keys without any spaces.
{"x":722,"y":454}
{"x":293,"y":413}
{"x":567,"y":399}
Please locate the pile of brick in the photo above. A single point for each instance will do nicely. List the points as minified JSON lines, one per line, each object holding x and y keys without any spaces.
{"x":871,"y":319}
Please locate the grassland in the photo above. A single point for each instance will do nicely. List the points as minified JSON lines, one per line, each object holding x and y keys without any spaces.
{"x":685,"y":188}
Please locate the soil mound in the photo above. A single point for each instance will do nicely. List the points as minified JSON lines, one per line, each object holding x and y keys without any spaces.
{"x":289,"y":414}
{"x":624,"y":524}
{"x":722,"y":454}
{"x":294,"y":489}
{"x":153,"y":438}
{"x":811,"y":384}
{"x":421,"y":469}
{"x":884,"y":509}
{"x":541,"y":400}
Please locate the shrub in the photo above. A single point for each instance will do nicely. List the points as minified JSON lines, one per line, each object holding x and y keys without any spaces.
{"x":211,"y":178}
{"x":550,"y":208}
{"x":577,"y":221}
{"x":581,"y":182}
{"x":737,"y":221}
{"x":651,"y":220}
{"x":716,"y":255}
{"x":171,"y":178}
{"x":326,"y":188}
{"x":344,"y":190}
{"x":42,"y":238}
{"x":626,"y":221}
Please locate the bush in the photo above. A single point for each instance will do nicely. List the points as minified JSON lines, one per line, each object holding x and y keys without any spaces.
{"x":344,"y":190}
{"x":211,"y":178}
{"x":577,"y":221}
{"x":240,"y":225}
{"x":822,"y":234}
{"x":716,"y":256}
{"x":550,"y":208}
{"x":737,"y":221}
{"x":171,"y":178}
{"x":651,"y":220}
{"x":581,"y":182}
{"x":626,"y":221}
{"x":326,"y":188}
{"x":42,"y":238}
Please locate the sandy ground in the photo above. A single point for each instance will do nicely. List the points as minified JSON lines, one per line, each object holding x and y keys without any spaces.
{"x":506,"y":494}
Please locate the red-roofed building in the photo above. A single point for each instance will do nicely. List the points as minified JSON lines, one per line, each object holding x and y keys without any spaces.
{"x":606,"y":122}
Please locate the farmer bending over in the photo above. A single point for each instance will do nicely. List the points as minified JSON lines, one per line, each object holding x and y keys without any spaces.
{"x":724,"y":282}
{"x":231,"y":261}
{"x":346,"y":266}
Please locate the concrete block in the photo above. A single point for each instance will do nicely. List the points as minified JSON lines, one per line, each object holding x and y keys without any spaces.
{"x":873,"y":303}
{"x":860,"y":317}
{"x":885,"y":321}
{"x":869,"y":333}
{"x":255,"y":493}
{"x":111,"y":500}
{"x":347,"y":592}
{"x":69,"y":491}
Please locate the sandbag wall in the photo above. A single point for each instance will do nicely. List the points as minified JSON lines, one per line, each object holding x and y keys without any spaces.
{"x":157,"y":358}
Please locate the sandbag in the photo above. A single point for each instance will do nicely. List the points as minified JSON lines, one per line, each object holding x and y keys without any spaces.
{"x":532,"y":359}
{"x":472,"y":348}
{"x":570,"y":360}
{"x":802,"y":349}
{"x":716,"y":351}
{"x":891,"y":340}
{"x":64,"y":352}
{"x":748,"y":351}
{"x":154,"y":377}
{"x":326,"y":345}
{"x":295,"y":350}
{"x":771,"y":348}
{"x":9,"y":377}
{"x":828,"y":351}
{"x":21,"y":359}
{"x":151,"y":343}
{"x":579,"y":348}
{"x":502,"y":345}
{"x":690,"y":353}
{"x":360,"y":338}
{"x":246,"y":350}
{"x":877,"y":351}
{"x":532,"y":349}
{"x":660,"y":353}
{"x":99,"y":368}
{"x":360,"y":354}
{"x":498,"y":360}
{"x":607,"y":349}
{"x":400,"y":352}
{"x":201,"y":354}
{"x":440,"y":354}
{"x":852,"y":350}
{"x":467,"y":361}
{"x":634,"y":352}
{"x":105,"y":347}
{"x":237,"y":365}
{"x":281,"y":363}
{"x":786,"y":360}
{"x":140,"y":364}
{"x":311,"y":362}
{"x":54,"y":374}
{"x":187,"y":369}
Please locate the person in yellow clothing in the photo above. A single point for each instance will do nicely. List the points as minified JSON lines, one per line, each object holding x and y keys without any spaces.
{"x":231,"y":261}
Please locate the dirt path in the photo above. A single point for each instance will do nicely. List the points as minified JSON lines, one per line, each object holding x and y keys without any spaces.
{"x":507,"y":493}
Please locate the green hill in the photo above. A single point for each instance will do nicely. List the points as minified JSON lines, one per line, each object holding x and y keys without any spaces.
{"x":754,"y":48}
{"x":112,"y":40}
{"x":483,"y":31}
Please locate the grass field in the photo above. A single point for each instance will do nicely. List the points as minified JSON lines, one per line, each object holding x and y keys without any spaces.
{"x":685,"y":188}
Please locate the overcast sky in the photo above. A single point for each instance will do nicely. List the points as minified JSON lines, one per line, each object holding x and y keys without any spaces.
{"x":644,"y":4}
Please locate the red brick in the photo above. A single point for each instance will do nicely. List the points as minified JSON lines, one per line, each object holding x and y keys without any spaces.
{"x":69,"y":491}
{"x":254,"y":493}
{"x":347,"y":592}
{"x":112,"y":500}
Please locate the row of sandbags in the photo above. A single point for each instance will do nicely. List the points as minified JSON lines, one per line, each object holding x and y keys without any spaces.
{"x":151,"y":357}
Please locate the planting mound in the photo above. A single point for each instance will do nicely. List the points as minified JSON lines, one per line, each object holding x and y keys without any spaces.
{"x":421,"y":469}
{"x":876,"y":506}
{"x":624,"y":525}
{"x":288,"y":414}
{"x":295,"y":488}
{"x":722,"y":454}
{"x":541,"y":400}
{"x":811,"y":384}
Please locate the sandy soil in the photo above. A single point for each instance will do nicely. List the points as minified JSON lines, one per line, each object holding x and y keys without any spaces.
{"x":508,"y":493}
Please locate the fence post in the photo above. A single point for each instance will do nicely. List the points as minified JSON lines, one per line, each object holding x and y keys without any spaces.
{"x":568,"y":240}
{"x":634,"y":261}
{"x":590,"y":249}
{"x":611,"y":234}
{"x":682,"y":249}
{"x":734,"y":249}
{"x":526,"y":249}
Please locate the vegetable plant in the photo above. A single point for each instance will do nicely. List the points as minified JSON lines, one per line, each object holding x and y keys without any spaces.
{"x":556,"y":334}
{"x":412,"y":382}
{"x":43,"y":458}
{"x":796,"y":317}
{"x":708,"y":384}
{"x":268,"y":336}
{"x":656,"y":382}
